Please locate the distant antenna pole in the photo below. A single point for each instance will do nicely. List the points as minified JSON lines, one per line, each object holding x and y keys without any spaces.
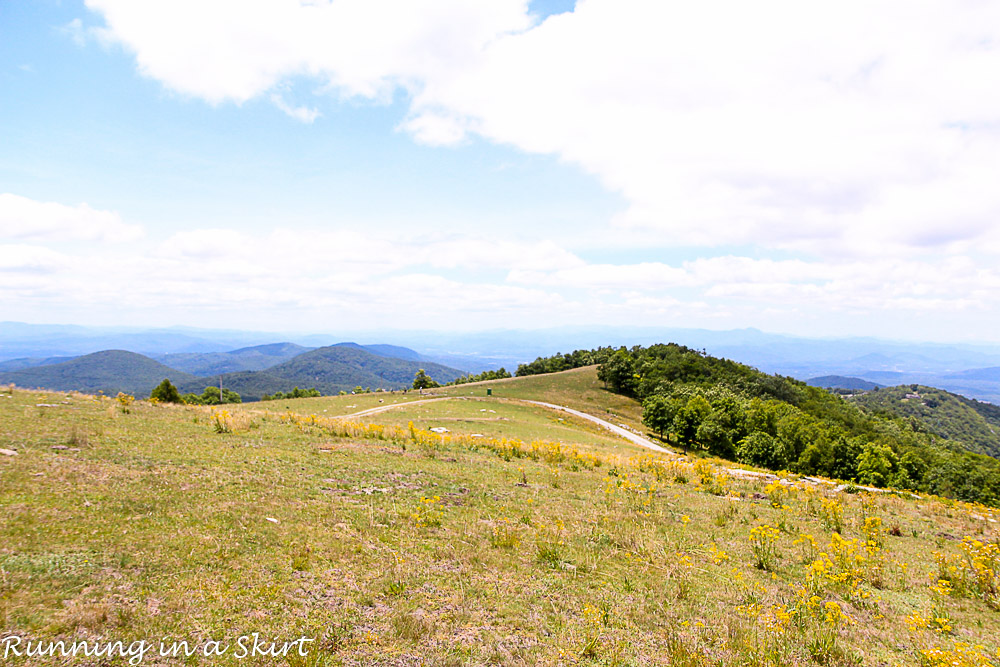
{"x":220,"y":391}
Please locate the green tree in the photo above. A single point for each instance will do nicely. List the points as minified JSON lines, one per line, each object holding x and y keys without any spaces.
{"x":724,"y":426}
{"x":876,"y":464}
{"x":690,"y":417}
{"x":211,"y":396}
{"x":421,"y":380}
{"x":658,"y":413}
{"x":192,"y":399}
{"x":165,"y":392}
{"x":816,"y":458}
{"x":758,"y":449}
{"x":618,"y":373}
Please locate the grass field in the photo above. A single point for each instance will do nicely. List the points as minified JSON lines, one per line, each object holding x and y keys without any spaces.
{"x":578,"y":389}
{"x":504,"y":418}
{"x":386,"y":545}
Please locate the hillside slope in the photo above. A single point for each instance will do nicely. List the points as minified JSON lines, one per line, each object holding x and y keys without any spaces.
{"x":976,"y":425}
{"x":402,"y":547}
{"x":256,"y":358}
{"x":841,"y":382}
{"x":31,"y":362}
{"x":726,"y":409}
{"x":110,"y":371}
{"x":342,"y":367}
{"x":329,"y":369}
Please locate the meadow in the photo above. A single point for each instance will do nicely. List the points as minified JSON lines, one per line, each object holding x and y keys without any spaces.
{"x":542,"y":542}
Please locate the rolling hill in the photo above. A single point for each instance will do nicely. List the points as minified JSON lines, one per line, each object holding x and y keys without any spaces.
{"x":330,"y":369}
{"x":842,"y":382}
{"x":974,"y":424}
{"x":110,"y":371}
{"x":31,"y":362}
{"x":380,"y":544}
{"x":256,"y":358}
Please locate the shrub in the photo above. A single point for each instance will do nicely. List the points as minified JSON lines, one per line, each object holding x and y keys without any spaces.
{"x":165,"y":392}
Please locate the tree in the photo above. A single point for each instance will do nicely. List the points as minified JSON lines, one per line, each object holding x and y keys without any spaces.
{"x":165,"y":392}
{"x":658,"y":413}
{"x":689,"y":418}
{"x":211,"y":396}
{"x":421,"y":380}
{"x":758,"y":449}
{"x":724,"y":427}
{"x":618,"y":373}
{"x":876,"y":463}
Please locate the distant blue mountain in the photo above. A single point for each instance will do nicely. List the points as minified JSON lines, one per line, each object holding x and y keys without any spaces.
{"x":842,"y":382}
{"x":256,"y":358}
{"x":967,"y":369}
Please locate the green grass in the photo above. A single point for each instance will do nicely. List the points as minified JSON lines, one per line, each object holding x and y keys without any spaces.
{"x":504,"y":418}
{"x":578,"y":389}
{"x":394,"y":551}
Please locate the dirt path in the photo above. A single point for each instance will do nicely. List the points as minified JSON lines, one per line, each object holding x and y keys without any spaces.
{"x":617,"y":430}
{"x":389,"y":406}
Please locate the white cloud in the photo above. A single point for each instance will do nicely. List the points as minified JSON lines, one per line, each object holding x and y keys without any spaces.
{"x":644,"y":276}
{"x":302,"y":114}
{"x":75,"y":31}
{"x":354,"y":280}
{"x":831,"y":128}
{"x":234,"y":50}
{"x":850,"y":128}
{"x":26,"y":219}
{"x":23,"y":258}
{"x":317,"y":254}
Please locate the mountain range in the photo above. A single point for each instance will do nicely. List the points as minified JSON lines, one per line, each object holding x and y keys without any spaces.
{"x":251,"y":372}
{"x":969,"y":369}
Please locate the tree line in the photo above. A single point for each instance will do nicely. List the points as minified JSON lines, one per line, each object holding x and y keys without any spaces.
{"x":499,"y":374}
{"x":564,"y":362}
{"x":726,"y":409}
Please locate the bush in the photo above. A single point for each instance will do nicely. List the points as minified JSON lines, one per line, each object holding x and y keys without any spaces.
{"x":165,"y":392}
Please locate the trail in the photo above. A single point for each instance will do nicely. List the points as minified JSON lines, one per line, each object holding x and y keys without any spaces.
{"x":617,"y":430}
{"x":389,"y":406}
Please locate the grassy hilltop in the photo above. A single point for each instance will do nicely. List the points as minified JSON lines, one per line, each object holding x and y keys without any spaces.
{"x":390,"y":544}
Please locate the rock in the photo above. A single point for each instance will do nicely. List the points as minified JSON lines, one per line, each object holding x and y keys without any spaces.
{"x":271,"y":520}
{"x":59,"y":447}
{"x":8,"y":452}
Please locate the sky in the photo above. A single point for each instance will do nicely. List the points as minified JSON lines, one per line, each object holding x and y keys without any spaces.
{"x":335,"y":165}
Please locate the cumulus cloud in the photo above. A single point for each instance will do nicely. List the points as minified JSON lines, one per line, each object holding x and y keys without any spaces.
{"x":645,"y":276}
{"x":23,"y":258}
{"x":26,"y":219}
{"x":323,"y":278}
{"x":304,"y":114}
{"x":850,"y":128}
{"x":234,"y":50}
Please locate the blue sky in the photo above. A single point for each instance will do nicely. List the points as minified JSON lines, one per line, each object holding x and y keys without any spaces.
{"x":329,"y":166}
